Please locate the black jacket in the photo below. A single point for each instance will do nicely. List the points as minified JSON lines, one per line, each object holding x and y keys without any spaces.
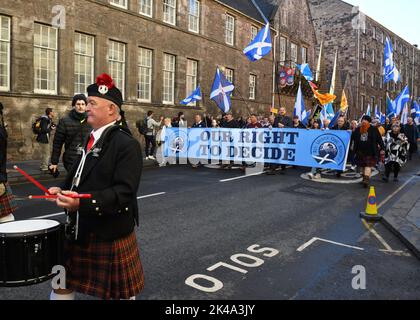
{"x":72,"y":131}
{"x":284,"y":120}
{"x":112,"y":176}
{"x":230,"y":124}
{"x":345,"y":127}
{"x":202,"y":124}
{"x":3,"y":154}
{"x":46,"y":128}
{"x":369,"y":146}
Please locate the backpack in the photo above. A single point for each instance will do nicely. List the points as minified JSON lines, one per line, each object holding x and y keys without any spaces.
{"x":36,"y":126}
{"x":142,"y":126}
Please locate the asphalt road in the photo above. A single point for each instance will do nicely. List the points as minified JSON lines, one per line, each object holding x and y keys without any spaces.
{"x":239,"y":239}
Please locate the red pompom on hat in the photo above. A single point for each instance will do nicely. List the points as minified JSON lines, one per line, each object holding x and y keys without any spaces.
{"x":106,"y":89}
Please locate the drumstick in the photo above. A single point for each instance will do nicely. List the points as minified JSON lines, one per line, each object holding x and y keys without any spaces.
{"x":77,"y":196}
{"x":27,"y":176}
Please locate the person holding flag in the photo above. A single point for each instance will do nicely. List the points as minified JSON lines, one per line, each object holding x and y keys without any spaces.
{"x":412,"y":133}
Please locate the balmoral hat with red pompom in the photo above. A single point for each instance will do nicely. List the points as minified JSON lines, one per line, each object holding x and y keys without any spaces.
{"x":106,"y":89}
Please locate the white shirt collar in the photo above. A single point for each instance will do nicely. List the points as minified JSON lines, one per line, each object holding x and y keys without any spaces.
{"x":98,"y":132}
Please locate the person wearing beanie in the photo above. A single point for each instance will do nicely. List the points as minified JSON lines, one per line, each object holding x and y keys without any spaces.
{"x":71,"y":132}
{"x":101,"y":254}
{"x":368,"y":144}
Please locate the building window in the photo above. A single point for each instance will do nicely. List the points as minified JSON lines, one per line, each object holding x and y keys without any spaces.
{"x":169,"y":11}
{"x":84,"y":56}
{"x":146,"y":7}
{"x":168,"y":78}
{"x":284,"y":18}
{"x":294,"y":52}
{"x":116,"y":53}
{"x":192,"y":68}
{"x":381,"y":82}
{"x":373,"y":56}
{"x":304,"y":55}
{"x":283,"y":48}
{"x":372,"y":103}
{"x":119,"y":3}
{"x":374,"y":33}
{"x":145,"y":65}
{"x":4,"y":53}
{"x":194,"y":16}
{"x":252,"y":86}
{"x":362,"y":102}
{"x":45,"y":59}
{"x":230,"y":30}
{"x":364,"y":51}
{"x":229,"y":73}
{"x":363,"y":80}
{"x":373,"y":80}
{"x":254,"y":32}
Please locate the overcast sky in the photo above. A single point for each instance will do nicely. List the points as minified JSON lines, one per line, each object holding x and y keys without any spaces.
{"x":399,"y":16}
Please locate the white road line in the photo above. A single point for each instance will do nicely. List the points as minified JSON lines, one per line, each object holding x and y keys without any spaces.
{"x":377,"y":236}
{"x":395,"y":192}
{"x":242,"y":177}
{"x":62,"y":213}
{"x":151,"y":195}
{"x":397,"y":253}
{"x":327,"y":241}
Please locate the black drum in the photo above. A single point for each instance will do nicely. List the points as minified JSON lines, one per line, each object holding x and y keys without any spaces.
{"x":29,"y":249}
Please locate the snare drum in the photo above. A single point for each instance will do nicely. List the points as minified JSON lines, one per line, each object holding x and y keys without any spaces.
{"x":29,"y":249}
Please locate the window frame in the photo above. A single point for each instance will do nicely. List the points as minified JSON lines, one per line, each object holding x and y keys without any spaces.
{"x":119,"y":5}
{"x":191,"y":76}
{"x":84,"y":55}
{"x":252,"y":89}
{"x":151,"y":9}
{"x":190,"y":16}
{"x":173,"y":74}
{"x":174,"y":8}
{"x":9,"y":41}
{"x":228,"y":16}
{"x":150,"y":74}
{"x":123,"y":84}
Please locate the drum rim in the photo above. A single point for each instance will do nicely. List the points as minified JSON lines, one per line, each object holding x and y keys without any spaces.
{"x":32,"y":233}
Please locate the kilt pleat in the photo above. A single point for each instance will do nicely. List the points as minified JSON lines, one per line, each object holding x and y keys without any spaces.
{"x":105,"y":269}
{"x":7,"y":202}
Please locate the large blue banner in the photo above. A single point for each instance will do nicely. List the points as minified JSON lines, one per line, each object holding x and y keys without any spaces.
{"x":309,"y":148}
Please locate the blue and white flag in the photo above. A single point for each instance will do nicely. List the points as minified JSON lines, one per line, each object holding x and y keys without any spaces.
{"x":260,"y":46}
{"x":329,"y":111}
{"x":383,"y":118}
{"x":405,"y":115}
{"x":368,"y":111}
{"x":390,"y":71}
{"x":305,"y":70}
{"x":390,"y":107}
{"x":221,"y":91}
{"x":335,"y":119}
{"x":323,"y":116}
{"x":377,"y":113}
{"x":195,"y":96}
{"x":415,"y":112}
{"x":306,"y":115}
{"x":299,"y":104}
{"x":401,"y":100}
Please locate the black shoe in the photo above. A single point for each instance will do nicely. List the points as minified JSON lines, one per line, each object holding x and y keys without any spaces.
{"x":385,"y":179}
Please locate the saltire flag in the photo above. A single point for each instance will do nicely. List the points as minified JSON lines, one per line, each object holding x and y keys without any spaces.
{"x":401,"y":100}
{"x":415,"y":112}
{"x":390,"y":107}
{"x":383,"y":118}
{"x":323,"y":116}
{"x":368,"y":111}
{"x":390,"y":71}
{"x":221,"y":91}
{"x":325,"y":98}
{"x":299,"y":104}
{"x":329,"y":109}
{"x":377,"y":113}
{"x":195,"y":96}
{"x":306,"y":115}
{"x":405,"y":115}
{"x":335,"y":119}
{"x":306,"y":72}
{"x":260,"y":46}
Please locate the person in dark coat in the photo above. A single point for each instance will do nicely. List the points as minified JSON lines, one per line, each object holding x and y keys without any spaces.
{"x":7,"y":203}
{"x":412,"y":133}
{"x":44,"y":137}
{"x":101,"y":252}
{"x":198,"y":122}
{"x":282,"y":121}
{"x":230,"y":122}
{"x":367,"y":146}
{"x":297,"y":124}
{"x":71,"y":132}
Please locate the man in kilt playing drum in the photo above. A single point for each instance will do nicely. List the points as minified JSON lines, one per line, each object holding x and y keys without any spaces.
{"x":7,"y":203}
{"x":101,"y":252}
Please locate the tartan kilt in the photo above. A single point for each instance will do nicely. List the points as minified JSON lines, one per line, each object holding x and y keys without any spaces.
{"x":7,"y":202}
{"x":104,"y":269}
{"x":366,"y":161}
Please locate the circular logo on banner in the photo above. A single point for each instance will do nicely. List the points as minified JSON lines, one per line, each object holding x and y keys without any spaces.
{"x":372,"y":200}
{"x":178,"y":141}
{"x":328,"y":149}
